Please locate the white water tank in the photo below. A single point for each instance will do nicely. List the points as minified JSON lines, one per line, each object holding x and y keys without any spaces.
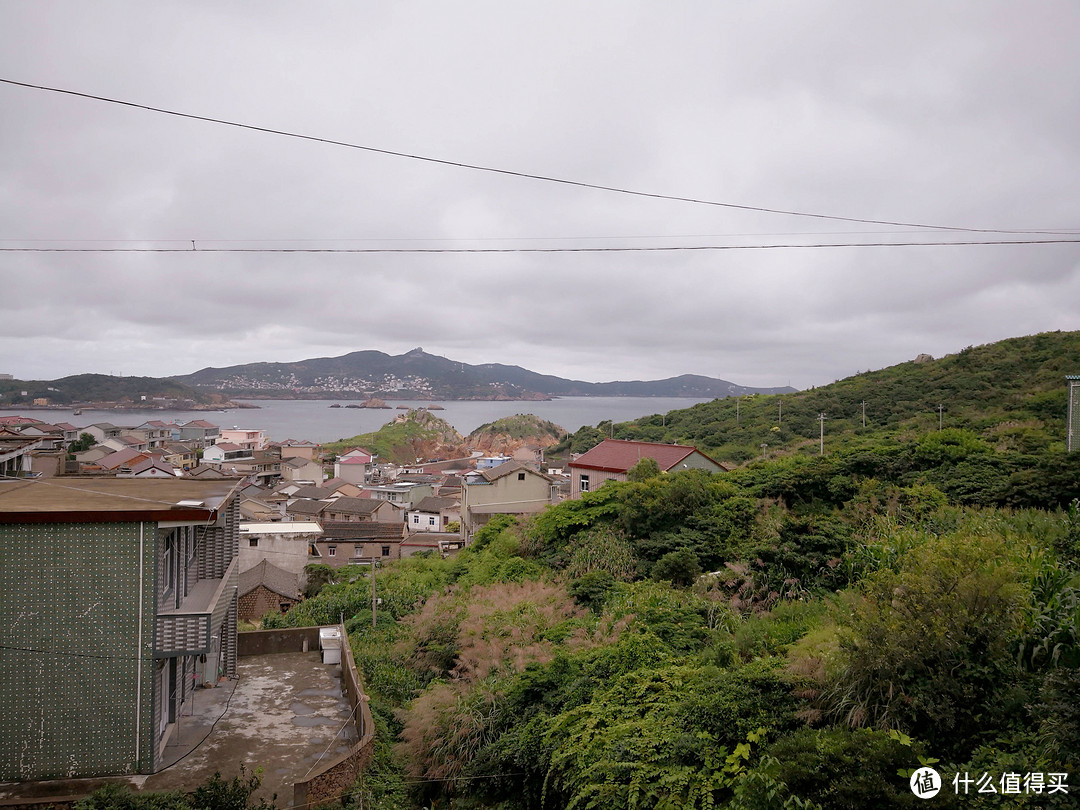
{"x":330,"y":644}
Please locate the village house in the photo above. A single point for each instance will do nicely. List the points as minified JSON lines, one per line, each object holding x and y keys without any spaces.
{"x":198,"y":432}
{"x":288,"y":545}
{"x":354,"y":510}
{"x":297,"y":468}
{"x":222,"y":452}
{"x":102,"y":431}
{"x":358,"y":543}
{"x":261,"y":505}
{"x":354,"y":466}
{"x":341,"y":487}
{"x":612,"y":459}
{"x":53,"y":435}
{"x":294,"y":448}
{"x":404,"y":495}
{"x":433,"y":514}
{"x":263,"y":468}
{"x":512,"y":488}
{"x":248,"y":439}
{"x":180,"y":455}
{"x":312,"y":492}
{"x":121,"y":600}
{"x":155,"y":432}
{"x":266,"y":589}
{"x":305,"y":509}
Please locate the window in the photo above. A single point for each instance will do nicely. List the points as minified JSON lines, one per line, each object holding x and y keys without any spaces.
{"x":167,"y":568}
{"x":415,"y":518}
{"x":358,"y":551}
{"x":253,"y":542}
{"x":584,"y":481}
{"x":331,"y":550}
{"x":521,"y":476}
{"x":431,"y":521}
{"x":386,"y":551}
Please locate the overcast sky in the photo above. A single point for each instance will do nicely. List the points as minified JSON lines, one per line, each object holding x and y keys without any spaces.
{"x":961,"y":114}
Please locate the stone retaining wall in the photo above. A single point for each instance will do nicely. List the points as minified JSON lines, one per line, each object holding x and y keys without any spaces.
{"x":340,"y":774}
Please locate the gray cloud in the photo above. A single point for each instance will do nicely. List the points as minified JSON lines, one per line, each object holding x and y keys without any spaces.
{"x":959,"y":114}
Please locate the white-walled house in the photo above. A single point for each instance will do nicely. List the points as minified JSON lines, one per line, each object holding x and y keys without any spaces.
{"x":433,"y":514}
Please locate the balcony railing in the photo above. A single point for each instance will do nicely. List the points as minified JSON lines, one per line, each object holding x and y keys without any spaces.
{"x":187,"y":629}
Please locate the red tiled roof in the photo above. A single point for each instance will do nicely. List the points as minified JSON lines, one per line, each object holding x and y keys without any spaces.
{"x":618,"y":455}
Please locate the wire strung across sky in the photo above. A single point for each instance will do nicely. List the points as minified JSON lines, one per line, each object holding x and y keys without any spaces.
{"x":521,"y":174}
{"x":595,"y":249}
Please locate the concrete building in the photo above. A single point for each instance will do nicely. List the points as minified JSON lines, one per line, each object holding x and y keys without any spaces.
{"x":288,"y":545}
{"x":511,"y":488}
{"x":120,"y":599}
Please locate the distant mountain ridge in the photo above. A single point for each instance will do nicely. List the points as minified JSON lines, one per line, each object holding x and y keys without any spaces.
{"x":419,"y":375}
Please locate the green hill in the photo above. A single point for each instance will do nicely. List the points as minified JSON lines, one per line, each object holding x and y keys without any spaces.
{"x":1011,"y":393}
{"x":417,"y":434}
{"x":84,"y":388}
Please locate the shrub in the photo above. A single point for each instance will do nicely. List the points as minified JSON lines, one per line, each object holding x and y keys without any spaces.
{"x":677,"y":567}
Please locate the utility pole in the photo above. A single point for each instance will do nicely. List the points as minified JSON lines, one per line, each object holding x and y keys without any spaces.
{"x":763,"y":446}
{"x":821,"y":418}
{"x":737,"y":401}
{"x":780,"y":410}
{"x":864,"y":413}
{"x":940,"y":411}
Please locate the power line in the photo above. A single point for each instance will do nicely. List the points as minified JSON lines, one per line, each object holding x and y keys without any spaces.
{"x":595,"y":249}
{"x":506,"y":172}
{"x":580,"y":237}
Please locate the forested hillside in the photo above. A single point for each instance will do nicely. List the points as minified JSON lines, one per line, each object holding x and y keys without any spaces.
{"x":803,"y":632}
{"x":1011,"y":393}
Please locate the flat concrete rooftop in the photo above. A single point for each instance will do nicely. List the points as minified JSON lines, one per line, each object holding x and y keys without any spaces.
{"x":285,"y":714}
{"x":71,"y":498}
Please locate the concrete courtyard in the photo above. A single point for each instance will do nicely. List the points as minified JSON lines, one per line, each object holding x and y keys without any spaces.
{"x":285,"y":714}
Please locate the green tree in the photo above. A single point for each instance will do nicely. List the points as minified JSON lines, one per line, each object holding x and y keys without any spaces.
{"x":644,"y":470}
{"x":84,"y":442}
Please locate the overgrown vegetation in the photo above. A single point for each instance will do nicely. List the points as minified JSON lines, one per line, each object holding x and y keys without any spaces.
{"x":215,"y":793}
{"x":801,"y":632}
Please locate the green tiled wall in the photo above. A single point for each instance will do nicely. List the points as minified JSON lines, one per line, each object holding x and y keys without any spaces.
{"x":69,"y":652}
